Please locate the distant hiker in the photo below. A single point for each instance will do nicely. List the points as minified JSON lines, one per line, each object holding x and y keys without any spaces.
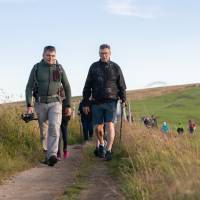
{"x":86,"y":120}
{"x":63,"y":129}
{"x":154,"y":122}
{"x":105,"y":84}
{"x":180,"y":129}
{"x":44,"y":83}
{"x":130,"y":118}
{"x":147,"y":122}
{"x":191,"y":126}
{"x":165,"y":130}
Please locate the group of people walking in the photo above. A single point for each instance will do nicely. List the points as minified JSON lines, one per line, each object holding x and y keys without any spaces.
{"x":49,"y":92}
{"x":151,"y":122}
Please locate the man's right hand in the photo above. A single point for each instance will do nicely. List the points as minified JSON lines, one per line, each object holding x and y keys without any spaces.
{"x":86,"y":110}
{"x":29,"y":110}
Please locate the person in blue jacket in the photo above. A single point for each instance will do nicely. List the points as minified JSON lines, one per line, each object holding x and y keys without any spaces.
{"x":165,"y":129}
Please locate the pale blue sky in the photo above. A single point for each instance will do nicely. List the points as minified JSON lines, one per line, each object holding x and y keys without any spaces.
{"x":152,"y":40}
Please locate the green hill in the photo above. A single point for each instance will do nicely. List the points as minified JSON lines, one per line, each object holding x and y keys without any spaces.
{"x":179,"y":106}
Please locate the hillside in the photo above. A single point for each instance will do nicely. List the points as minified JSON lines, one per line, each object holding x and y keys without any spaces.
{"x":159,"y":91}
{"x":146,"y":165}
{"x":174,"y":104}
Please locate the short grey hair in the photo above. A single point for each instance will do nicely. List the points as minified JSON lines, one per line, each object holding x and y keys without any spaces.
{"x":104,"y":46}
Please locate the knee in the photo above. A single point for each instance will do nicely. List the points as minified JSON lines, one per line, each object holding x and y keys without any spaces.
{"x":110,"y":126}
{"x":54,"y":130}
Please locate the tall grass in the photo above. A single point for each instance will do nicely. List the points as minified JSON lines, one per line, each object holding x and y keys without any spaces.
{"x":19,"y":141}
{"x":158,"y":169}
{"x":74,"y":131}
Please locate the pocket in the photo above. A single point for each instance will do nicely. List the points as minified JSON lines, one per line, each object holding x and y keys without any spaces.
{"x":37,"y":108}
{"x":56,"y":75}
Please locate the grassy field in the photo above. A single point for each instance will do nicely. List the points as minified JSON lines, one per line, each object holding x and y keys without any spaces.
{"x":173,"y":108}
{"x":152,"y":167}
{"x":149,"y":166}
{"x":19,"y":142}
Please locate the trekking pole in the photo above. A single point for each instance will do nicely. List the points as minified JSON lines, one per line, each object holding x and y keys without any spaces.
{"x":121,"y":123}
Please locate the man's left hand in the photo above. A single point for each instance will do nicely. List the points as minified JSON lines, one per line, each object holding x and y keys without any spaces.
{"x":67,"y":112}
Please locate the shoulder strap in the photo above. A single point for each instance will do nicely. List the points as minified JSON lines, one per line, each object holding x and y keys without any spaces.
{"x":59,"y":67}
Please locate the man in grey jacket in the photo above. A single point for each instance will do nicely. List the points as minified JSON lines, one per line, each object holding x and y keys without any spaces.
{"x":44,"y":84}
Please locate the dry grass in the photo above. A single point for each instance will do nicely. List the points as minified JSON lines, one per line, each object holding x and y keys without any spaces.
{"x":158,"y":169}
{"x":19,"y":142}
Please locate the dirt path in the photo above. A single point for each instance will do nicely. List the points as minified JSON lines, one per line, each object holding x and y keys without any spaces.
{"x":49,"y":183}
{"x":42,"y":182}
{"x":101,"y":185}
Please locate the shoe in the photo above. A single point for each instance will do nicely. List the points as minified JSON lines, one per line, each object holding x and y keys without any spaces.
{"x":66,"y":154}
{"x":101,"y":151}
{"x":96,"y":152}
{"x":52,"y":161}
{"x":108,"y":156}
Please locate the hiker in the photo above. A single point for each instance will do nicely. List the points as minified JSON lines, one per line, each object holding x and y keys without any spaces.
{"x":44,"y":83}
{"x":154,"y":122}
{"x":105,"y":84}
{"x":165,"y":130}
{"x":147,"y":122}
{"x":63,"y":128}
{"x":129,"y":118}
{"x":180,"y":129}
{"x":86,"y":120}
{"x":191,"y":127}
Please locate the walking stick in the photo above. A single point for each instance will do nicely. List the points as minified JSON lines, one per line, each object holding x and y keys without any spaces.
{"x":121,"y":121}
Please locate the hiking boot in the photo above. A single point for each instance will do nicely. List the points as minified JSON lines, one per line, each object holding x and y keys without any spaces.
{"x":108,"y":156}
{"x":101,"y":151}
{"x":65,"y":154}
{"x":96,"y":152}
{"x":52,"y":161}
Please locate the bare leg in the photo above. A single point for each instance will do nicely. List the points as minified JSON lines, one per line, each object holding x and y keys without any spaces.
{"x":111,"y":134}
{"x":99,"y":132}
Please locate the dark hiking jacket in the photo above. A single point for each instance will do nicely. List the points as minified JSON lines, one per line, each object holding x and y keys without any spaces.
{"x":105,"y":82}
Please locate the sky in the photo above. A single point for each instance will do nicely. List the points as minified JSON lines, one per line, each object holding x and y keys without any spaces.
{"x":151,"y":40}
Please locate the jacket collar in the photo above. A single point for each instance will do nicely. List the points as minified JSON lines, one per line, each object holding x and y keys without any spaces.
{"x":44,"y":63}
{"x":104,"y":63}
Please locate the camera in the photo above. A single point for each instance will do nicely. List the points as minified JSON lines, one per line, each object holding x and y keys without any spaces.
{"x":28,"y":117}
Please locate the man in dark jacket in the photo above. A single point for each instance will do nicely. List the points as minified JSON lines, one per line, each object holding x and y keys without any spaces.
{"x":105,"y":84}
{"x":44,"y":83}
